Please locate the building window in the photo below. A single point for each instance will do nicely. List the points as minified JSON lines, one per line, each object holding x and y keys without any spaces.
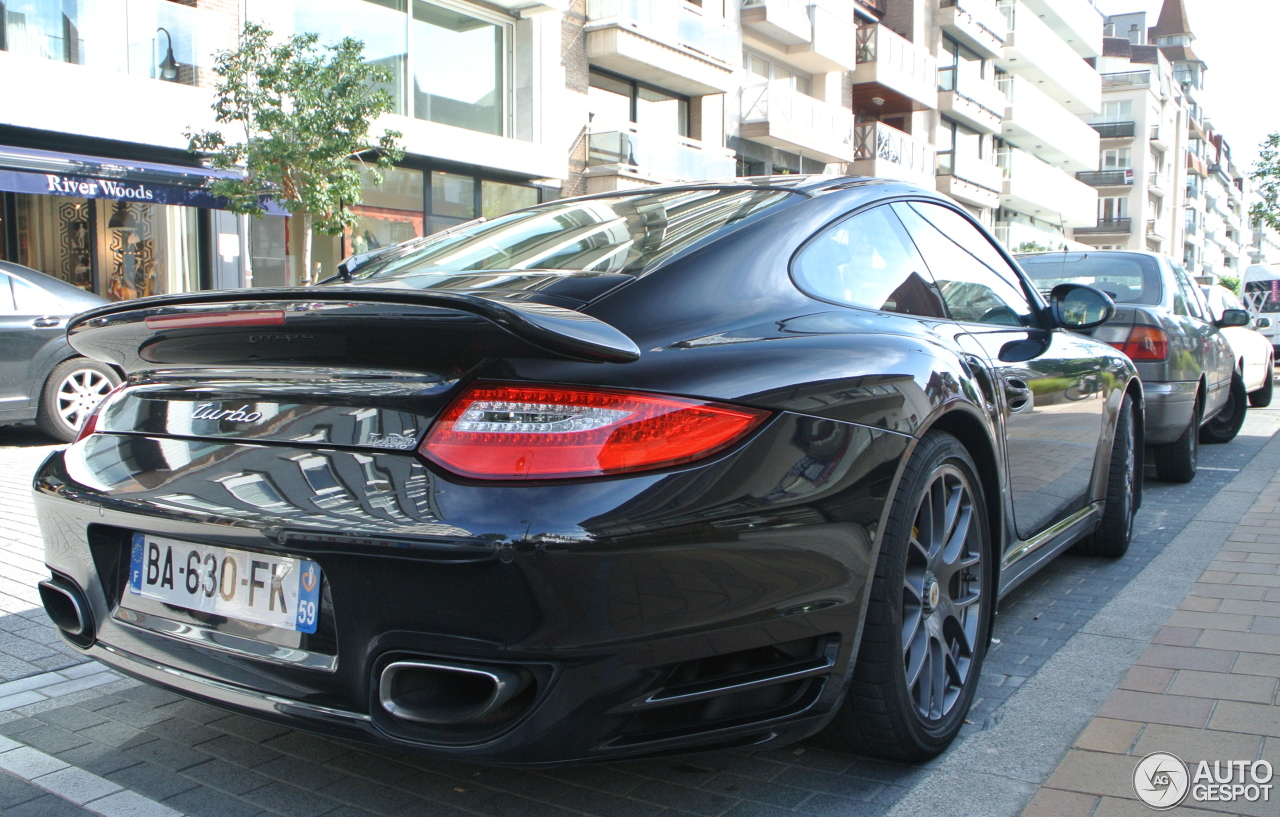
{"x":956,"y":140}
{"x":1116,"y":111}
{"x":1113,"y":209}
{"x":1116,"y":159}
{"x":959,"y":67}
{"x":618,"y":102}
{"x":762,"y":69}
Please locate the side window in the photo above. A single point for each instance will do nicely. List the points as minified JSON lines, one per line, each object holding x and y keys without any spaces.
{"x":31,"y":300}
{"x":1190,"y":295}
{"x":868,"y":260}
{"x":6,"y":295}
{"x":956,"y":253}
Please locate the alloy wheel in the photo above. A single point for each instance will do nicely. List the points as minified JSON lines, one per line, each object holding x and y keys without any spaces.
{"x":942,"y":586}
{"x":79,"y":393}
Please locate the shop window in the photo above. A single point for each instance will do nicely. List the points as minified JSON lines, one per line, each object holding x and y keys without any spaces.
{"x":498,"y":199}
{"x":146,"y":249}
{"x":55,"y":236}
{"x":453,"y":195}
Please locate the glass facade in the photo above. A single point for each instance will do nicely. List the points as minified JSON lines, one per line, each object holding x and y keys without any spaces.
{"x":451,"y":63}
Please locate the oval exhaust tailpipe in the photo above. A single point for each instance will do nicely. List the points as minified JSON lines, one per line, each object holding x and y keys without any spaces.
{"x":442,"y":694}
{"x":67,"y":607}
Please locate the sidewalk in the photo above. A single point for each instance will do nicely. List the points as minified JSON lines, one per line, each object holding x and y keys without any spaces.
{"x":1205,"y":688}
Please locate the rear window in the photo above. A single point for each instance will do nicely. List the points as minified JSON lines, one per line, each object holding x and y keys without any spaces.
{"x":1127,"y":278}
{"x":618,"y":234}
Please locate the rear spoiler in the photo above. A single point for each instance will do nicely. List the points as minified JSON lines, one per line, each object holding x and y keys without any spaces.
{"x":552,"y":329}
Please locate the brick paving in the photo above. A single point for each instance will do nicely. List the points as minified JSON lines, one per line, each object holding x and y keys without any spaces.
{"x":1207,"y":688}
{"x":203,"y":761}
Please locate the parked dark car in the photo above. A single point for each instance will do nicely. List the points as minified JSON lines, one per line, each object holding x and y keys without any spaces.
{"x":665,"y":470}
{"x":41,"y":377}
{"x":1189,"y":375}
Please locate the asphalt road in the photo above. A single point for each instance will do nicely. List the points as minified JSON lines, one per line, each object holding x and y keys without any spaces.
{"x":77,"y":740}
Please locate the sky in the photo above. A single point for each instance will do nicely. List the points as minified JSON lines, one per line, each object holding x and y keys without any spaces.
{"x":1242,"y":92}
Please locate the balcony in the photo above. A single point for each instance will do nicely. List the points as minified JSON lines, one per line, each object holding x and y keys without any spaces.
{"x":970,"y":179}
{"x":831,"y":43}
{"x":776,"y":115}
{"x":1108,"y":226}
{"x":121,"y":37}
{"x":617,"y":159}
{"x":1115,"y":130}
{"x":1197,"y":166}
{"x":783,"y":21}
{"x":1156,"y":230}
{"x":888,"y":153}
{"x":1042,"y":190}
{"x":1157,"y":183}
{"x":1126,"y":80}
{"x":1106,"y":178}
{"x":894,"y":70}
{"x":1158,"y":138}
{"x":977,"y":24}
{"x":671,"y":45}
{"x":1078,"y":22}
{"x":1035,"y":52}
{"x":1039,"y":125}
{"x":976,"y":103}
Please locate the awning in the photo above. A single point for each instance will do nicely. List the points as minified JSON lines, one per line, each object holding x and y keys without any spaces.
{"x":52,"y":173}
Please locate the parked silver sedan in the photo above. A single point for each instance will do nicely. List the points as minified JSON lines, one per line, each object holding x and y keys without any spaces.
{"x":1193,"y":392}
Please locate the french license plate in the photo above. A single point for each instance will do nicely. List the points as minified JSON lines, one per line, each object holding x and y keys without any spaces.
{"x":274,"y":590}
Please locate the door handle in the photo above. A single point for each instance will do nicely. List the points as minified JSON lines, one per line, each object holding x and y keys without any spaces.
{"x":46,"y":322}
{"x":1018,"y":395}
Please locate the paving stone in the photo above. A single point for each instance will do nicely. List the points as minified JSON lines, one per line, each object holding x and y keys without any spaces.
{"x":77,"y":785}
{"x":226,"y":777}
{"x":47,"y":805}
{"x":14,"y":791}
{"x":151,"y":780}
{"x":166,"y":753}
{"x":1108,"y":735}
{"x":204,"y":802}
{"x":289,"y":800}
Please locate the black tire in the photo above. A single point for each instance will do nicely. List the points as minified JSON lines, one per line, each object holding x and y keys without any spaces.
{"x":70,"y":393}
{"x":912,"y":630}
{"x":1111,"y":539}
{"x":1176,"y":461}
{"x":1225,"y":425}
{"x":1262,"y":397}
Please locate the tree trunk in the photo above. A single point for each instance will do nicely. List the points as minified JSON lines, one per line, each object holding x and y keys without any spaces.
{"x":305,"y":279}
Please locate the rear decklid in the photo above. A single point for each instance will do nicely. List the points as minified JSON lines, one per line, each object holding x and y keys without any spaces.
{"x":352,"y":366}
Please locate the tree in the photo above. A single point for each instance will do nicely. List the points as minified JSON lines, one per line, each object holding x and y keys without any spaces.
{"x":1266,"y":175}
{"x":1032,"y":246}
{"x":302,"y":115}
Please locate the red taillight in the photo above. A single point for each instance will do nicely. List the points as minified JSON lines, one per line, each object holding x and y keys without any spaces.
{"x":90,"y":424}
{"x":499,"y":431}
{"x":1145,"y":343}
{"x":258,"y":317}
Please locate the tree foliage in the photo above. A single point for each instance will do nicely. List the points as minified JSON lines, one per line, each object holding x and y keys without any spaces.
{"x":1266,"y":178}
{"x":298,"y":119}
{"x":1230,"y":283}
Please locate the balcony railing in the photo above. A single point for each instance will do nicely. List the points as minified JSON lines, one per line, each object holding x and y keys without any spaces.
{"x":663,"y":156}
{"x":1115,"y":130}
{"x":120,"y":36}
{"x":780,"y":105}
{"x":877,"y":43}
{"x":1108,"y":225}
{"x":676,"y":24}
{"x":879,"y":141}
{"x":1126,"y":79}
{"x":1155,"y":228}
{"x":1157,"y":180}
{"x":1105,"y":178}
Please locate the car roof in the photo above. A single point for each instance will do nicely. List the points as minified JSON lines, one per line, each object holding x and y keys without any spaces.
{"x":808,"y":185}
{"x":69,"y":294}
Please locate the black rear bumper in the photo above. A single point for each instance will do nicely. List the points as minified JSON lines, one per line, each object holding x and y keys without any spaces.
{"x":715,"y":605}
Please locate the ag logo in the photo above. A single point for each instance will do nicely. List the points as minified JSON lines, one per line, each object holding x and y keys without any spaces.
{"x":1161,"y":781}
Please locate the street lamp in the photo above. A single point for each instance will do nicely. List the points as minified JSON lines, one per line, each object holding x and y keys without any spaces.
{"x":169,"y":65}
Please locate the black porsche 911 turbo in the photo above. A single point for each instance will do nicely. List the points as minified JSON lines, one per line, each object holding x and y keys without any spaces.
{"x":681,"y":468}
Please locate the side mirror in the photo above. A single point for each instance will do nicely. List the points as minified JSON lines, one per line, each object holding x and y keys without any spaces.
{"x":1261,"y":323}
{"x":1076,"y":306}
{"x":1233,"y":317}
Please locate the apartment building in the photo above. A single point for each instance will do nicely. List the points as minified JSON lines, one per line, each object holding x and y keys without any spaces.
{"x":504,"y":103}
{"x":1166,"y":180}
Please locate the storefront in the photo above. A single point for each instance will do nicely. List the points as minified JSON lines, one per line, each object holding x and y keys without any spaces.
{"x":128,"y":229}
{"x":120,"y":229}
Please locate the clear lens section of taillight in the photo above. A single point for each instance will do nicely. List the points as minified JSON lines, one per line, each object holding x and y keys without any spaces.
{"x":507,"y":431}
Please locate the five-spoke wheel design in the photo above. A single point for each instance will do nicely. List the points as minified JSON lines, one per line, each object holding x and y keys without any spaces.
{"x":941,"y":588}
